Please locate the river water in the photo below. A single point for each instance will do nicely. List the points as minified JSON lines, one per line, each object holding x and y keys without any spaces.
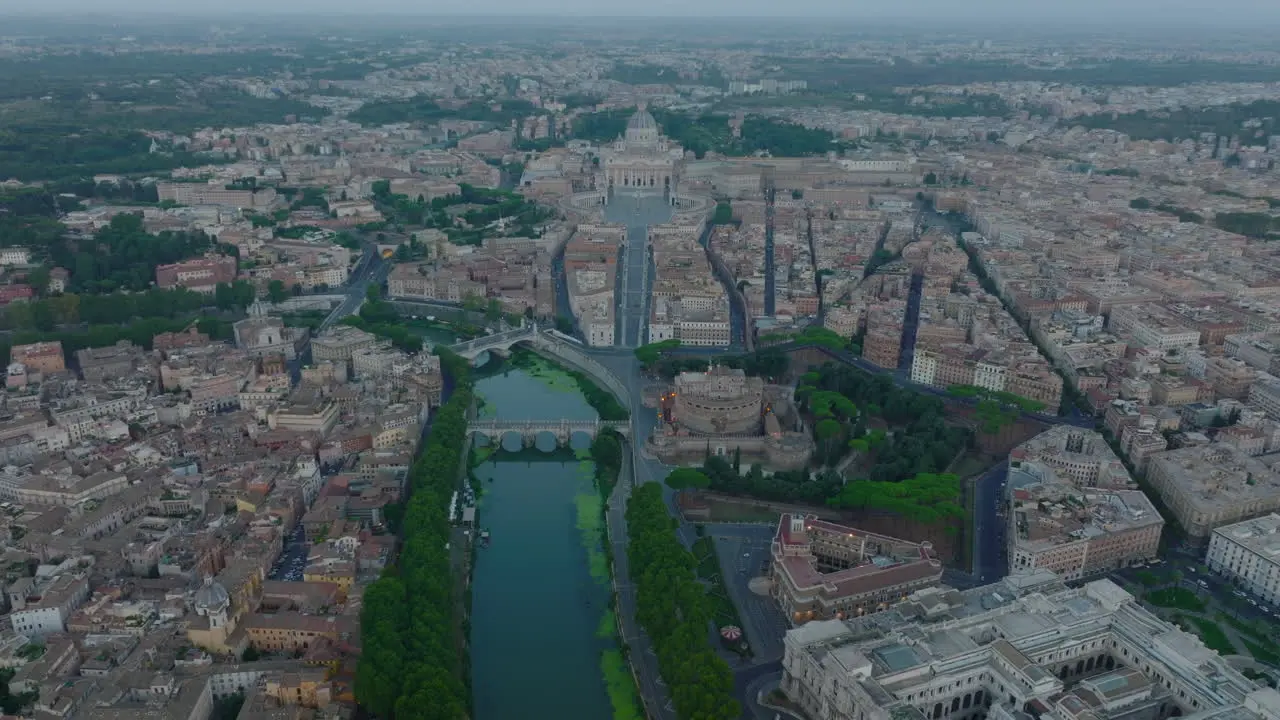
{"x":540,"y":595}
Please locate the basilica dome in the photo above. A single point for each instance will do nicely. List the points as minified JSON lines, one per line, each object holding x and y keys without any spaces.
{"x":211,"y":597}
{"x":642,"y":120}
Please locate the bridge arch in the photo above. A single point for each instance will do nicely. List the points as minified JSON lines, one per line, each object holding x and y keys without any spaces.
{"x":544,"y":343}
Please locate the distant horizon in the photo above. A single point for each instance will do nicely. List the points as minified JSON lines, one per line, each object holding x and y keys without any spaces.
{"x":1085,"y":13}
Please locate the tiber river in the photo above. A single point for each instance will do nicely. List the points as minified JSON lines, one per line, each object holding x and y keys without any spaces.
{"x":541,"y":631}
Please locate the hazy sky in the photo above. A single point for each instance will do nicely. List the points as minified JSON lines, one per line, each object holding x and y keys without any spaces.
{"x":1089,"y":11}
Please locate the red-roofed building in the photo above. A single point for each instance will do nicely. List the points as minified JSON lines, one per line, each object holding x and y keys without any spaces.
{"x":12,"y":293}
{"x":822,"y":570}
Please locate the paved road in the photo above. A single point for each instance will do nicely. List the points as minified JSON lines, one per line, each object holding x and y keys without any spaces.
{"x":642,"y":657}
{"x":744,"y":554}
{"x":635,"y":273}
{"x":370,"y":269}
{"x":910,"y":324}
{"x":989,"y":563}
{"x":748,"y":684}
{"x":770,"y":280}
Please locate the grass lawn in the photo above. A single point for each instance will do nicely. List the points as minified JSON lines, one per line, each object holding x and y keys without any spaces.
{"x":1262,"y":654}
{"x":1212,"y":635}
{"x":1245,"y":628}
{"x":1176,"y":598}
{"x":708,"y":568}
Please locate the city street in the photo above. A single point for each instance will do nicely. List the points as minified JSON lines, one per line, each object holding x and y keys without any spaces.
{"x":989,"y":563}
{"x":370,"y":269}
{"x":744,"y":554}
{"x":635,"y":273}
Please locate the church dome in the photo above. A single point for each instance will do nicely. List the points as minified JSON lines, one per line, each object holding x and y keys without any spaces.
{"x":212,"y":596}
{"x":642,"y":120}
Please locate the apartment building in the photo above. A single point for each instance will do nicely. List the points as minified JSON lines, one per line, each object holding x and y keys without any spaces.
{"x":1208,"y":486}
{"x":1249,"y":553}
{"x":204,"y":194}
{"x":53,"y":603}
{"x":822,"y":570}
{"x":198,"y":274}
{"x":1151,"y":326}
{"x":1060,"y":527}
{"x":111,"y":362}
{"x":293,"y":631}
{"x":1025,"y":647}
{"x":1264,"y":395}
{"x":1079,"y":456}
{"x":1258,"y":350}
{"x":46,"y":357}
{"x":340,"y":343}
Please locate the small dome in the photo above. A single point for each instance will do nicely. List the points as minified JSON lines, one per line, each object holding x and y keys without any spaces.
{"x":212,"y":596}
{"x":642,"y":120}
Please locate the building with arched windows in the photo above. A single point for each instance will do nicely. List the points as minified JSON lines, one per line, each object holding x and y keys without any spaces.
{"x":1026,"y":648}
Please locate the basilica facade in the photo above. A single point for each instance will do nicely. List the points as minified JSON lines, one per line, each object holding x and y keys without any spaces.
{"x":642,"y":159}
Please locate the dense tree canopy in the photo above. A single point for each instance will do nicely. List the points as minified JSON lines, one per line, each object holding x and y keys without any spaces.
{"x":687,"y":479}
{"x":1182,"y":123}
{"x":926,"y":498}
{"x":711,"y":133}
{"x":921,"y":440}
{"x":672,"y":607}
{"x":410,"y":663}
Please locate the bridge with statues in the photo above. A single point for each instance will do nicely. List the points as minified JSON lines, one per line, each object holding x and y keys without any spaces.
{"x":529,"y":430}
{"x":497,"y":341}
{"x":543,"y":341}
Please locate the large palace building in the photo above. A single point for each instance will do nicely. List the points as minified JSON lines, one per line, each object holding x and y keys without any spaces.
{"x":1027,"y":648}
{"x":821,"y":570}
{"x":642,"y":159}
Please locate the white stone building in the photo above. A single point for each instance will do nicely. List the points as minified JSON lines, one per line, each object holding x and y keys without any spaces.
{"x":1249,"y":552}
{"x":1027,"y":647}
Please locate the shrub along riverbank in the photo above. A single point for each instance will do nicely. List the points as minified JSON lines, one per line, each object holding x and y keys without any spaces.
{"x":410,"y":665}
{"x":606,"y":455}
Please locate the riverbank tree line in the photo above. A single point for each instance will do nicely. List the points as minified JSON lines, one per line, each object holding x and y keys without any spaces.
{"x":672,"y":607}
{"x":411,"y":667}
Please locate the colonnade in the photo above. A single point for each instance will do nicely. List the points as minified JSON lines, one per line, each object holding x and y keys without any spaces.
{"x":625,"y":177}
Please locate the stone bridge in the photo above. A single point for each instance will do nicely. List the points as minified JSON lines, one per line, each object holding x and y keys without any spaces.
{"x":571,"y":355}
{"x":498,"y":341}
{"x":529,"y":430}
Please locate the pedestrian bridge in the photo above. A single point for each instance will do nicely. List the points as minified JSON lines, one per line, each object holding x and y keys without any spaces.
{"x":529,"y":430}
{"x":573,"y":356}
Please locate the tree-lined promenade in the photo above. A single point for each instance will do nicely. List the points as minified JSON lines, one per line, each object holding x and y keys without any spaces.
{"x":410,"y":665}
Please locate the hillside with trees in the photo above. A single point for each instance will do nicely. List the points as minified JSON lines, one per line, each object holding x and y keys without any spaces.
{"x":844,"y":401}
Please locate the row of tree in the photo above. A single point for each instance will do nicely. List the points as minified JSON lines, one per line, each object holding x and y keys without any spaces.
{"x":660,"y":359}
{"x":410,"y":664}
{"x":120,"y":307}
{"x":672,"y":607}
{"x":795,"y":486}
{"x":927,"y":498}
{"x":140,"y":332}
